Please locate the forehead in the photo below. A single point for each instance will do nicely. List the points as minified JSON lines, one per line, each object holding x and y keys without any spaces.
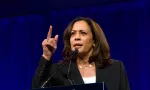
{"x":81,"y":25}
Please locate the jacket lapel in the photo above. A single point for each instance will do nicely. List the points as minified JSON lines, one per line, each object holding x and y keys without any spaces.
{"x":101,"y":75}
{"x":98,"y":75}
{"x":75,"y":74}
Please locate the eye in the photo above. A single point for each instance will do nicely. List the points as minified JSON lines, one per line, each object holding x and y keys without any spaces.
{"x":72,"y":33}
{"x":84,"y":33}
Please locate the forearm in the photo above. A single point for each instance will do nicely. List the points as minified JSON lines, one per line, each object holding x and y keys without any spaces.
{"x":41,"y":72}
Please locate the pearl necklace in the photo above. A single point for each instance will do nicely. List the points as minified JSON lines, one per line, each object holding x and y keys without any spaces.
{"x":86,"y":66}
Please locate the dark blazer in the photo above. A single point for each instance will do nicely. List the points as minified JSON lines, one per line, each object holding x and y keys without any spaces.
{"x":114,"y":76}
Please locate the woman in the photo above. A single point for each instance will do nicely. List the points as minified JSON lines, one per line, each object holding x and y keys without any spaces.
{"x":92,"y":63}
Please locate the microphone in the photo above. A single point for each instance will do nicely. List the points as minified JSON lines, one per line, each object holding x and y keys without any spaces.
{"x":75,"y":52}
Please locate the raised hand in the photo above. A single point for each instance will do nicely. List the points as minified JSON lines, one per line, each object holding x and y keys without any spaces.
{"x":49,"y":45}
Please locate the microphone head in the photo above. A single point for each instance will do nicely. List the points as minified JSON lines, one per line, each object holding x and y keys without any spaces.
{"x":75,"y":52}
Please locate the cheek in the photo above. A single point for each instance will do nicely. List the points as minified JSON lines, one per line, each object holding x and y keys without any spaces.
{"x":88,"y":43}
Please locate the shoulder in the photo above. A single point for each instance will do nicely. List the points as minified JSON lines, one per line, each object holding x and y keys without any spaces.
{"x":116,"y":68}
{"x":119,"y":64}
{"x":116,"y":64}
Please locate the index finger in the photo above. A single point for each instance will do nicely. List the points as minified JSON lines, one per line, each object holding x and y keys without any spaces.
{"x":49,"y":32}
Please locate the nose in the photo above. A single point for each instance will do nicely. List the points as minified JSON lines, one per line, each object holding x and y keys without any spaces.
{"x":77,"y":37}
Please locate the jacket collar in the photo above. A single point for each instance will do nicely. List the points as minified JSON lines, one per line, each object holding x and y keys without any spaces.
{"x":77,"y":78}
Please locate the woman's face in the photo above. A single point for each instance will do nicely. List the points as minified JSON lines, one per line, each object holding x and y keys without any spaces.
{"x":81,"y":37}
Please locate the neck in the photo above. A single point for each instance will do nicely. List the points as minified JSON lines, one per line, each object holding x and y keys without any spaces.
{"x":84,"y":57}
{"x":84,"y":61}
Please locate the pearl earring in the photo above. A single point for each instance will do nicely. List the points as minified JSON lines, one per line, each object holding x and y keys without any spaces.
{"x":94,"y":45}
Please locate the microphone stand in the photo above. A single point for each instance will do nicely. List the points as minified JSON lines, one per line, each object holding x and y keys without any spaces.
{"x":69,"y":79}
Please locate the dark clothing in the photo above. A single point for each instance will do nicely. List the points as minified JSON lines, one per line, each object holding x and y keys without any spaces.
{"x":114,"y":76}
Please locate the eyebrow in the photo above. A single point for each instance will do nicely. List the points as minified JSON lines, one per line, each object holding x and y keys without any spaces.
{"x":79,"y":30}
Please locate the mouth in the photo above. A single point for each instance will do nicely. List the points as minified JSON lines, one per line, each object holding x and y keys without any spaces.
{"x":78,"y":45}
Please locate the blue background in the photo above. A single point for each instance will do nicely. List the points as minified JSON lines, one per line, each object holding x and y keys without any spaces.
{"x":24,"y":25}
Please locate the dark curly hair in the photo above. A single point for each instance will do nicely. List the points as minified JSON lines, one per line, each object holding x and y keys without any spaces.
{"x":101,"y":51}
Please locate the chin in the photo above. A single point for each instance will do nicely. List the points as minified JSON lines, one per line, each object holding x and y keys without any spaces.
{"x":80,"y":51}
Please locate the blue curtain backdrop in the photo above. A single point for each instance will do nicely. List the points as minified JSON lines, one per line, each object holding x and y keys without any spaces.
{"x":126,"y":26}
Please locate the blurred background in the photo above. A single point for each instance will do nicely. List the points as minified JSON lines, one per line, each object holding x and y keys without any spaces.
{"x":24,"y":25}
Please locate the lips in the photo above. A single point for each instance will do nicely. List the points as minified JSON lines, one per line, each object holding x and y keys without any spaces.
{"x":78,"y":45}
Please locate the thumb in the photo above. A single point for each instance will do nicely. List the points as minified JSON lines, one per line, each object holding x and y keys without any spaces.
{"x":56,"y":38}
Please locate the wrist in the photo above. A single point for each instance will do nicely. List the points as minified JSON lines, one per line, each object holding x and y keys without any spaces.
{"x":47,"y":57}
